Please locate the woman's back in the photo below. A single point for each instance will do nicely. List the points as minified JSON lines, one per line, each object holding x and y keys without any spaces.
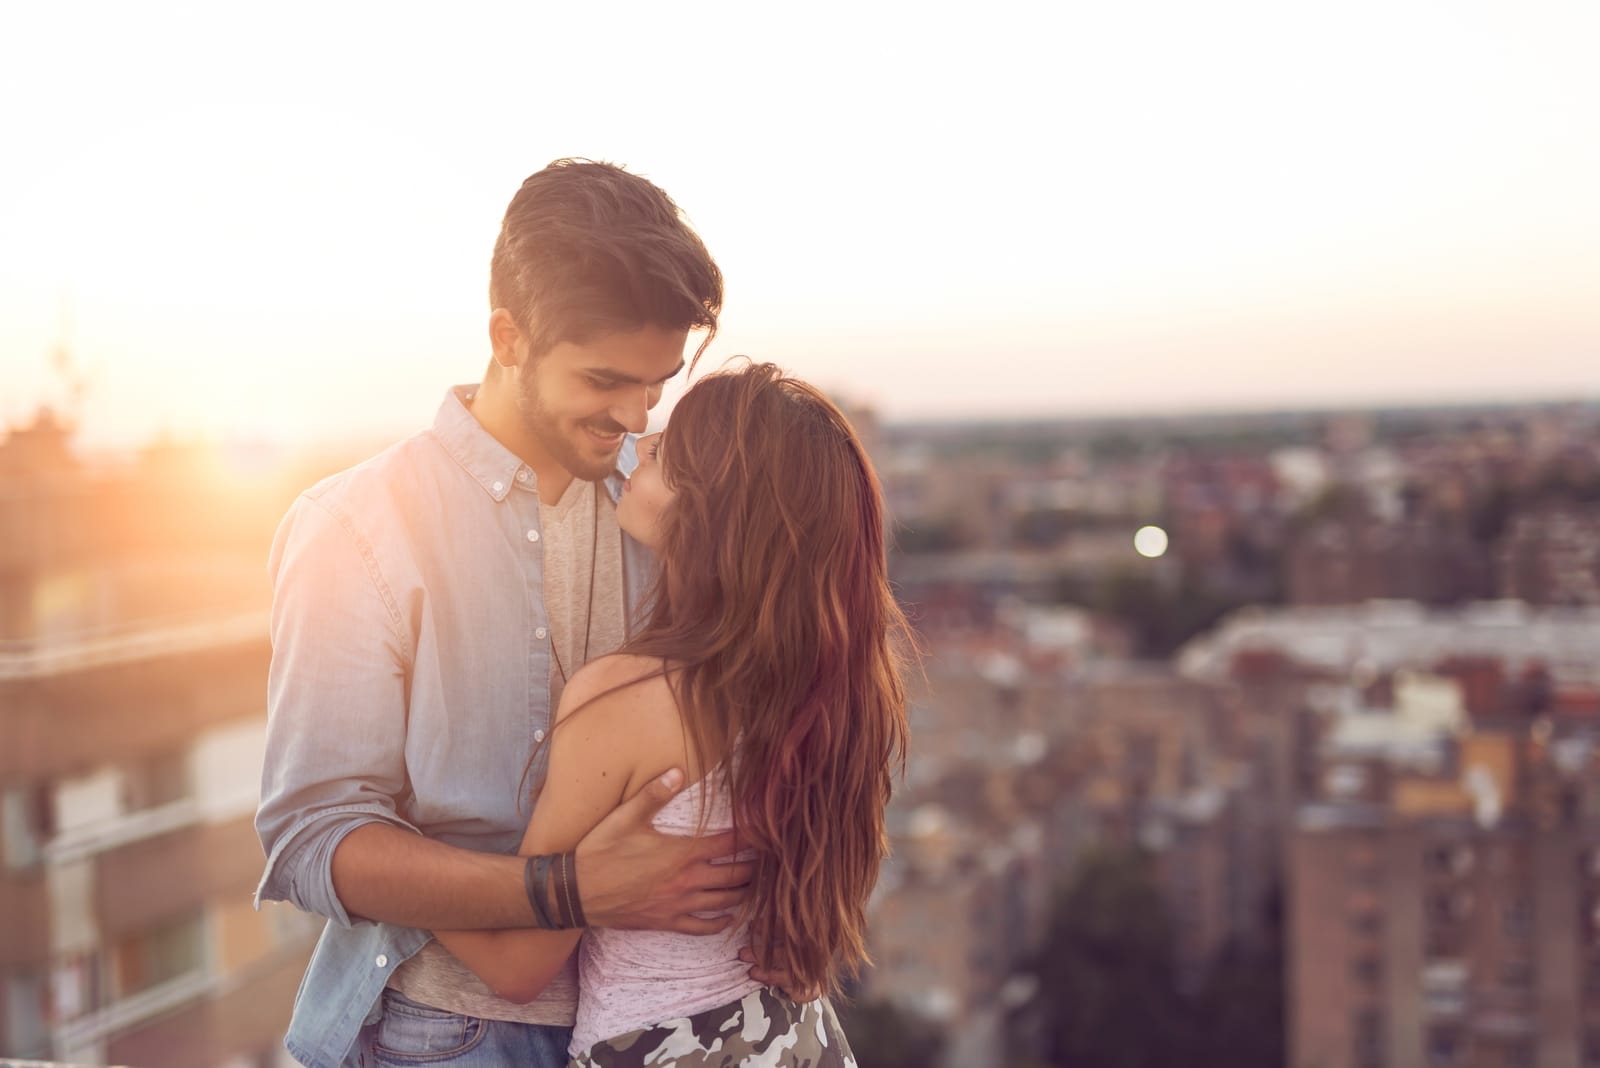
{"x":632,"y":979}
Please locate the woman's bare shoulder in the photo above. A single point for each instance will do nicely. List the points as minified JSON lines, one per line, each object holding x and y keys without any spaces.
{"x":620,"y":710}
{"x":617,"y":682}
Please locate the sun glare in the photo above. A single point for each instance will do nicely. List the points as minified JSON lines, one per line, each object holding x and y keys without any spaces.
{"x":1127,"y":215}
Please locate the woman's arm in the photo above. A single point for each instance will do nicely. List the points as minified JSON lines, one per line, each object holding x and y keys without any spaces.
{"x":594,"y":759}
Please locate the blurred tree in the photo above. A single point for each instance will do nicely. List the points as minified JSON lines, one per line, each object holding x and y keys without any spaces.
{"x":931,"y":536}
{"x":1027,"y":1062}
{"x":1239,"y":1013}
{"x":1566,"y":482}
{"x":1490,"y":512}
{"x":1161,"y":619}
{"x":1337,"y":501}
{"x":1107,"y":987}
{"x":882,"y":1036}
{"x":1495,"y":505}
{"x":1106,"y":970}
{"x":1044,"y":528}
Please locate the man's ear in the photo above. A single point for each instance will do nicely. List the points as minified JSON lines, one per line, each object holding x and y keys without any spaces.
{"x":506,"y":339}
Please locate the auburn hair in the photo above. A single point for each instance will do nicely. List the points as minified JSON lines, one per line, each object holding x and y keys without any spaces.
{"x":785,"y":648}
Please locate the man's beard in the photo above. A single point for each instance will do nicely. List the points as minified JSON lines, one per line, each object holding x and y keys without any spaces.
{"x":558,"y":447}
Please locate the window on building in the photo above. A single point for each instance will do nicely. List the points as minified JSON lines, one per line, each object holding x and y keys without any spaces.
{"x":1444,"y":1047}
{"x":1521,"y":1053}
{"x":160,"y":955}
{"x":1591,"y":973}
{"x":1517,"y":975}
{"x":1367,"y":1033}
{"x":1366,"y":970}
{"x":1367,"y":923}
{"x":1448,"y":908}
{"x":1445,"y":942}
{"x":27,"y":1013}
{"x":1516,"y":917}
{"x":1366,"y":867}
{"x":155,"y":781}
{"x":1591,"y":1048}
{"x":76,"y":987}
{"x":27,"y":822}
{"x":1450,"y":858}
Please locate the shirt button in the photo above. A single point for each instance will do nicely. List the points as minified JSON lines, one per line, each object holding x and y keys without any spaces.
{"x":522,"y":476}
{"x":540,"y":633}
{"x":533,"y":535}
{"x":382,"y":961}
{"x":538,"y":735}
{"x":498,"y":486}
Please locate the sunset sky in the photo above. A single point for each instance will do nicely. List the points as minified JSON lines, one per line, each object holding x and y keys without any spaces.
{"x":279,"y":226}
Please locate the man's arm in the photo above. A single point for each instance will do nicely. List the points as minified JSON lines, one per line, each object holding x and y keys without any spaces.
{"x":629,"y":875}
{"x":336,"y":706}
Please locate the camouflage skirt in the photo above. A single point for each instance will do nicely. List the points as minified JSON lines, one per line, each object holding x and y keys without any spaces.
{"x":762,"y":1028}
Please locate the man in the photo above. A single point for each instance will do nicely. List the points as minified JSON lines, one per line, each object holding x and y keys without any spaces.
{"x":429,"y":606}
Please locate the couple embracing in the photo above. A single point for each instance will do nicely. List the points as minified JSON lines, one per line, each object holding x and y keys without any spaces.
{"x":581,"y":741}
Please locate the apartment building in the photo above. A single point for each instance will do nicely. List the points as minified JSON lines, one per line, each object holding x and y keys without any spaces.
{"x":133,"y":660}
{"x":1443,"y":872}
{"x":129,"y":769}
{"x":1440,"y":942}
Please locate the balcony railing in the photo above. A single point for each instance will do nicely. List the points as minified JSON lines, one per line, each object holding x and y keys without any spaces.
{"x":131,"y":1011}
{"x":82,"y":842}
{"x":81,"y":650}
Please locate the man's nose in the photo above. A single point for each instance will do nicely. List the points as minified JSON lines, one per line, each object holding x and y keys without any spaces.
{"x":633,"y":412}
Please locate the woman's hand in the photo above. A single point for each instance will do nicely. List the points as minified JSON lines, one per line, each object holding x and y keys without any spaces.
{"x":632,"y":876}
{"x":780,"y":979}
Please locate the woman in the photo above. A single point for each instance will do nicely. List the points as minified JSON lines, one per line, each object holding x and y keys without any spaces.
{"x":767,"y":668}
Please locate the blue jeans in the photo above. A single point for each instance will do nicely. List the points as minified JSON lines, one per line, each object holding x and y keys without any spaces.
{"x":410,"y":1035}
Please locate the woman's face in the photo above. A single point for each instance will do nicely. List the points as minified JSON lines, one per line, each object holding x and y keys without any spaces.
{"x":645,"y":495}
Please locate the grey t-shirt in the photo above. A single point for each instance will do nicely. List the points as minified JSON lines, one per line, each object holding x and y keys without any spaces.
{"x":584,"y":601}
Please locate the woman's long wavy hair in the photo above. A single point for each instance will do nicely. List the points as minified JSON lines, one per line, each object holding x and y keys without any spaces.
{"x":785,"y":649}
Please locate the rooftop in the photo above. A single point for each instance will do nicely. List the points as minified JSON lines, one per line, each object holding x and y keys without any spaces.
{"x":1380,"y":636}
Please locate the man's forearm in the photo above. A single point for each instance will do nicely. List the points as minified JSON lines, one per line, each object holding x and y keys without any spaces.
{"x":381,"y":872}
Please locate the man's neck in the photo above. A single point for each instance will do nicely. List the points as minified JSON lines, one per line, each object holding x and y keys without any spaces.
{"x":494,"y":406}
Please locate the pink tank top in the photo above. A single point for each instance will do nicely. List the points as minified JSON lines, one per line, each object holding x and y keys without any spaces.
{"x":629,"y":980}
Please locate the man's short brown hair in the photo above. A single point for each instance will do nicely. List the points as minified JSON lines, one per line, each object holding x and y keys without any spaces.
{"x":587,"y":249}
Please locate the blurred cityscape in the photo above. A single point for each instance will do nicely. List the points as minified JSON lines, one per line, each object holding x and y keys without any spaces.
{"x":1255,"y":740}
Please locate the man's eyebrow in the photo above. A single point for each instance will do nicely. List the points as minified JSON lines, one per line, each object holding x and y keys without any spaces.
{"x":617,"y":378}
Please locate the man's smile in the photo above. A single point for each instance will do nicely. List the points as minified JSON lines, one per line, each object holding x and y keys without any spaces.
{"x":610,"y":439}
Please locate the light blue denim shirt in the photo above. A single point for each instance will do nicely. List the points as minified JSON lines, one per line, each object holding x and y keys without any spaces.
{"x":410,"y":673}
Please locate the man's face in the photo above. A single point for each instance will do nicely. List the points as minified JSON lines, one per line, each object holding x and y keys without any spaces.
{"x":579,"y":400}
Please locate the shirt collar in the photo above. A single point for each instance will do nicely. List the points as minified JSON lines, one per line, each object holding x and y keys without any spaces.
{"x":495,"y":467}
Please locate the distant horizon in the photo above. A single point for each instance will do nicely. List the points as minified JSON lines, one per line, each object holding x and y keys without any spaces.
{"x":379,"y":438}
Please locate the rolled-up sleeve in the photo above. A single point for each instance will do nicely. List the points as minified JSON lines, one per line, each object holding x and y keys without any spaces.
{"x":336,"y":705}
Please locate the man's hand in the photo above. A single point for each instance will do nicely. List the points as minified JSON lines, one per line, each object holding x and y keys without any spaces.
{"x":632,"y":876}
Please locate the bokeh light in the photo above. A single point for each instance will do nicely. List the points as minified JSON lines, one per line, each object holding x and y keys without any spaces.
{"x":1151,"y":542}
